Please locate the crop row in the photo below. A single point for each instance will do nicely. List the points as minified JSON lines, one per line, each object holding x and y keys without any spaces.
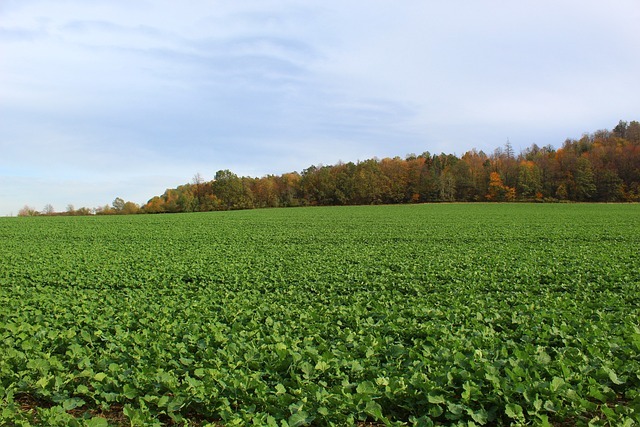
{"x":405,"y":315}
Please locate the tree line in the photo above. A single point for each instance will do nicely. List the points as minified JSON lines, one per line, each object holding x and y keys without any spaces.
{"x":603,"y":166}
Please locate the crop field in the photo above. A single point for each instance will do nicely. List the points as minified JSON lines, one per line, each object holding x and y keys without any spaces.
{"x":417,"y":315}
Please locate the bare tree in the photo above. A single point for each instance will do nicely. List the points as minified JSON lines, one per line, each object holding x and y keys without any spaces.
{"x":198,"y":183}
{"x":27,"y":211}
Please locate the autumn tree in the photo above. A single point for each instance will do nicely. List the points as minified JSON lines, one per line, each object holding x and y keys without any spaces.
{"x":288,"y":189}
{"x":198,"y":191}
{"x":415,"y":178}
{"x":529,"y":180}
{"x":345,"y":184}
{"x":585,"y":187}
{"x":478,"y":165}
{"x":130,"y":208}
{"x":28,"y":211}
{"x":600,"y":166}
{"x":498,"y":192}
{"x":396,"y":174}
{"x":368,"y":183}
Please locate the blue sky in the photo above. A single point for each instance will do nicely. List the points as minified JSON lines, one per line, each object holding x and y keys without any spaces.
{"x":125,"y":98}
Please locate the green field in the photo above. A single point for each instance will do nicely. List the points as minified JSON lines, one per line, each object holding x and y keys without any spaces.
{"x":448,"y":314}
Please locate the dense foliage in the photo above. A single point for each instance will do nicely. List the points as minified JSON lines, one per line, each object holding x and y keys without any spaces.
{"x":472,"y":314}
{"x":599,"y":167}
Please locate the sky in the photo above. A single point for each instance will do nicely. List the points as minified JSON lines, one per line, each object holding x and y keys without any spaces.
{"x":124,"y":98}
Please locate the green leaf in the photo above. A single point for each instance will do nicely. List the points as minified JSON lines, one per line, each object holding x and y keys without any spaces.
{"x":307,"y":369}
{"x":85,"y":335}
{"x":43,"y":382}
{"x":175,"y":404}
{"x":82,"y":389}
{"x":374,"y":409}
{"x":481,"y":416}
{"x":556,"y":383}
{"x":97,"y":422}
{"x":614,"y":377}
{"x":322,"y":365}
{"x":435,"y":398}
{"x":298,"y":419}
{"x":129,"y":391}
{"x":100,"y":376}
{"x":72,"y":403}
{"x":366,"y":387}
{"x":544,"y":420}
{"x":513,"y":410}
{"x":162,"y":402}
{"x":455,"y":408}
{"x":280,"y":389}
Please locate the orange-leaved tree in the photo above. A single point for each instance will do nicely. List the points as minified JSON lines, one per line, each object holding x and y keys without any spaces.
{"x":498,"y":192}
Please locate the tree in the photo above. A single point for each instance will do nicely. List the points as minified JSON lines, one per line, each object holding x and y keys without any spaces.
{"x":368,"y":183}
{"x":396,"y":173}
{"x":227,"y":187}
{"x":130,"y":208}
{"x":155,"y":205}
{"x":28,"y":211}
{"x":105,"y":210}
{"x":498,"y":192}
{"x":118,"y":204}
{"x":447,"y":184}
{"x":609,"y":186}
{"x":529,"y":180}
{"x":508,"y":150}
{"x":633,"y":132}
{"x":48,"y":209}
{"x":479,"y":167}
{"x":621,"y":129}
{"x":601,"y":166}
{"x":84,"y":211}
{"x":584,"y":180}
{"x":199,"y":191}
{"x":288,"y":188}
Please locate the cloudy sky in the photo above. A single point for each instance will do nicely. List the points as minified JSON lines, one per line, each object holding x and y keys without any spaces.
{"x":125,"y":98}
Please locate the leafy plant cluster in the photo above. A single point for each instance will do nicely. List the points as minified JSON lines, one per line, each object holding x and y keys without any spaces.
{"x":417,"y":315}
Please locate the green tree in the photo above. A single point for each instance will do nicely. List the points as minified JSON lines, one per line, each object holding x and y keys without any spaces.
{"x":529,"y":180}
{"x":633,"y":132}
{"x":621,"y":129}
{"x":609,"y":186}
{"x":232,"y":191}
{"x":585,"y":186}
{"x":118,"y":204}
